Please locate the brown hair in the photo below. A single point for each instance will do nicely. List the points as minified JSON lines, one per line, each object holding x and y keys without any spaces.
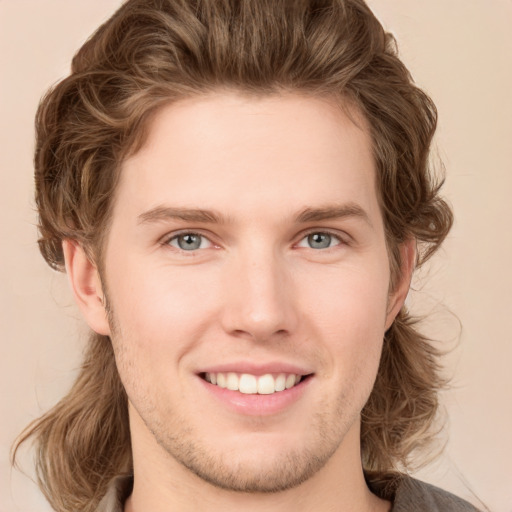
{"x":153,"y":52}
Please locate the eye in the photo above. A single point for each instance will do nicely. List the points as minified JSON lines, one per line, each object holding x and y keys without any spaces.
{"x":319,"y":240}
{"x":189,"y":242}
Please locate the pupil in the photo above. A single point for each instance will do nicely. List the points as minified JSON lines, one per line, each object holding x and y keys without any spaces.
{"x":189,"y":242}
{"x":319,"y":240}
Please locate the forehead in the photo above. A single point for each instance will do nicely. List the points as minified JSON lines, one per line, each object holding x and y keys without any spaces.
{"x":245,"y":154}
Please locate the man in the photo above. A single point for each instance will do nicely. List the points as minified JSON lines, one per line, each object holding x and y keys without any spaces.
{"x":239,"y":193}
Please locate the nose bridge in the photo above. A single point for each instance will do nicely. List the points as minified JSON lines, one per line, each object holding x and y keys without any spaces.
{"x":260,"y":296}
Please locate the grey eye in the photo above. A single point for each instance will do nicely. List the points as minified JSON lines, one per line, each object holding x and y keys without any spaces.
{"x":319,"y":240}
{"x":188,"y":241}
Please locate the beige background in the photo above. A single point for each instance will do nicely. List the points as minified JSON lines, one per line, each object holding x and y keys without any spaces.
{"x":460,"y":51}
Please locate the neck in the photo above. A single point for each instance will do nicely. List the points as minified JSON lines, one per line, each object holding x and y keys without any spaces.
{"x":162,"y":484}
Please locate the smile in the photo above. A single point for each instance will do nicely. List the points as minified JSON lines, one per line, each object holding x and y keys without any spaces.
{"x":249,"y":384}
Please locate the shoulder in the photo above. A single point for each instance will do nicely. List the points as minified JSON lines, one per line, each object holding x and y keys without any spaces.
{"x":419,"y":496}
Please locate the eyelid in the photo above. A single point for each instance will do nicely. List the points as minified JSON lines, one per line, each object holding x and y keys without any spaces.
{"x":166,"y":239}
{"x":343,"y":237}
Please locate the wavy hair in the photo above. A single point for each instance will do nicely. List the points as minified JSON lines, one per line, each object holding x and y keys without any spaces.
{"x":153,"y":52}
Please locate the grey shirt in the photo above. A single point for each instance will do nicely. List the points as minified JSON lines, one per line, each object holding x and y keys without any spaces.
{"x":409,"y":496}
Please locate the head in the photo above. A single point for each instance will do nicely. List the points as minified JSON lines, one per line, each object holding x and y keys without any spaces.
{"x":129,"y":83}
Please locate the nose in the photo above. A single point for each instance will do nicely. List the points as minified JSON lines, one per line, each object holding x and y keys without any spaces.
{"x":260,"y":303}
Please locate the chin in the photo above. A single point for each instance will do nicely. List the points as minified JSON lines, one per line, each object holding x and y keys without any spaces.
{"x":258,"y":462}
{"x":284,"y":471}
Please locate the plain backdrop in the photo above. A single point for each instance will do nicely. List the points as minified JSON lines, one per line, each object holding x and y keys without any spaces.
{"x":460,"y":52}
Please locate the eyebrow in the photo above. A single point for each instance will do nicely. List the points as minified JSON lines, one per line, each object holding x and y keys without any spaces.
{"x":329,"y":212}
{"x":187,"y":214}
{"x":333,"y":212}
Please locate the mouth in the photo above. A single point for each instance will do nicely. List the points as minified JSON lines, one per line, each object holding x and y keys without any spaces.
{"x":250,"y":384}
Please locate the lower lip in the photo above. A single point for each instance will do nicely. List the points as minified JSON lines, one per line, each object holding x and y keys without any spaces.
{"x":258,"y":405}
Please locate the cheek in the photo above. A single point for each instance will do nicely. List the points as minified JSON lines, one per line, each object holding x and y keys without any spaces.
{"x":164,"y":307}
{"x":159,"y":319}
{"x":348,"y":299}
{"x":348,"y":316}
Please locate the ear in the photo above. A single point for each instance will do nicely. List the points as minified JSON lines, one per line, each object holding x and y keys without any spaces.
{"x":399,"y":294}
{"x":86,"y":285}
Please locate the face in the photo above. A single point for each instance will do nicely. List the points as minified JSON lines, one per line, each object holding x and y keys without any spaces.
{"x":248,"y":280}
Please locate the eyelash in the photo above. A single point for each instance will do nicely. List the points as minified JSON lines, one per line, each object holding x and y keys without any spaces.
{"x":333,"y":236}
{"x":167,"y":240}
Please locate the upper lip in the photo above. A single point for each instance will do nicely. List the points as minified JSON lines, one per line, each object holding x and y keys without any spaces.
{"x":254,"y":368}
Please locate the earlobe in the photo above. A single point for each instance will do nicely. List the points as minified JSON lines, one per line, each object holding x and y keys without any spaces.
{"x":399,"y":294}
{"x":86,"y":286}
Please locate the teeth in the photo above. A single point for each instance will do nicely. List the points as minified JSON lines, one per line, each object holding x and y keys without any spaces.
{"x":266,"y":385}
{"x":290,"y":381}
{"x":281,"y":382}
{"x":251,"y":384}
{"x":232,"y":381}
{"x":221,"y":380}
{"x":248,"y":384}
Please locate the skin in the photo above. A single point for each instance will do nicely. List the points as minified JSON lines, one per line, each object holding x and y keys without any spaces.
{"x":256,"y":291}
